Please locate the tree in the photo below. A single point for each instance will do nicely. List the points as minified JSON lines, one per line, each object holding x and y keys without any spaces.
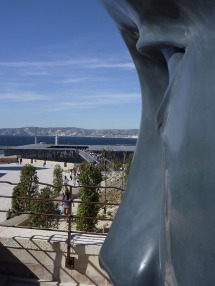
{"x":110,"y":161}
{"x":57,"y":180}
{"x":27,"y":187}
{"x":41,"y":206}
{"x":127,"y":166}
{"x":18,"y":204}
{"x":89,"y":177}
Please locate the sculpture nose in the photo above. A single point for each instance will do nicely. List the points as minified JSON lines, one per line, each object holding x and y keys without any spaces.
{"x":161,"y":49}
{"x":160,"y":34}
{"x":172,"y":55}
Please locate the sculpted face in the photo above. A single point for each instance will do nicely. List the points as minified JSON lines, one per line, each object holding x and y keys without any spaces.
{"x":163,"y":233}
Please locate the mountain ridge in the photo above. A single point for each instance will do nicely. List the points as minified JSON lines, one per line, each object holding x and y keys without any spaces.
{"x":69,"y":131}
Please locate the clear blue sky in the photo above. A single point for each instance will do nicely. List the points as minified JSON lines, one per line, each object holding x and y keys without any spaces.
{"x":64,"y":64}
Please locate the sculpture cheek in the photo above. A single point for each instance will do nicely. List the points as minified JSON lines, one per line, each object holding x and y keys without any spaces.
{"x":165,"y":224}
{"x":189,"y":159}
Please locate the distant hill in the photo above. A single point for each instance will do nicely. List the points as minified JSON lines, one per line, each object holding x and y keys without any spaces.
{"x":69,"y":131}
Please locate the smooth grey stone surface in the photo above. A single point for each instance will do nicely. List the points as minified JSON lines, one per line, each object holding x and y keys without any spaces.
{"x":164,"y":230}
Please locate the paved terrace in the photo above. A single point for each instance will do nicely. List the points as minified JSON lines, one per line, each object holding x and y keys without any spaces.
{"x":39,"y":254}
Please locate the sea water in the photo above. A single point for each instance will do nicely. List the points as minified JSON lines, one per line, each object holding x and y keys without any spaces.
{"x":17,"y":140}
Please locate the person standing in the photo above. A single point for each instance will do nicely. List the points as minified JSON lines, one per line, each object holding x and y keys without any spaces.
{"x":66,"y":198}
{"x":65,"y":181}
{"x":70,"y":174}
{"x":8,"y":214}
{"x":73,"y":173}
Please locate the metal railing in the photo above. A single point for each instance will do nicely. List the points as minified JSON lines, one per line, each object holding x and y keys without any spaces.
{"x":70,"y":216}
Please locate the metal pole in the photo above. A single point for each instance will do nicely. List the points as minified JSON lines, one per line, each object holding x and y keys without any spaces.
{"x":69,"y":260}
{"x":105,"y":207}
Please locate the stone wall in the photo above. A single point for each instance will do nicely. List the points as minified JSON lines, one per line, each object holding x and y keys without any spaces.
{"x":46,"y":154}
{"x":41,"y":254}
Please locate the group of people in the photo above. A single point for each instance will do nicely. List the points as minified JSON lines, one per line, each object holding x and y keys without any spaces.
{"x":66,"y":195}
{"x":94,"y":155}
{"x":19,"y":161}
{"x":74,"y":177}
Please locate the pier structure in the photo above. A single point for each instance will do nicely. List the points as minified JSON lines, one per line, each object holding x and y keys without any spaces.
{"x":66,"y":153}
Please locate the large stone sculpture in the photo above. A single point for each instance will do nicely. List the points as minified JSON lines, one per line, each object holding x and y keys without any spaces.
{"x":164,"y":231}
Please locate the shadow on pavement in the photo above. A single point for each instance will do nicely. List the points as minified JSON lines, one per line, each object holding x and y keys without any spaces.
{"x":11,"y":265}
{"x":17,"y":168}
{"x":11,"y":168}
{"x":2,"y":174}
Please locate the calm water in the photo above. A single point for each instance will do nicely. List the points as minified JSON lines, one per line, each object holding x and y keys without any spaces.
{"x":64,"y":140}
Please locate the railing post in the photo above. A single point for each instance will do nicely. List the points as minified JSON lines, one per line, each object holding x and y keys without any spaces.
{"x":69,"y":260}
{"x":105,"y":207}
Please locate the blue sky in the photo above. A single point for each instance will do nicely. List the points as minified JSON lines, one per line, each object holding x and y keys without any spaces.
{"x":64,"y":64}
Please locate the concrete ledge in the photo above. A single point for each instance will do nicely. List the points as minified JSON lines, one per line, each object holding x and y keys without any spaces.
{"x":8,"y":160}
{"x":41,"y":254}
{"x":21,"y":220}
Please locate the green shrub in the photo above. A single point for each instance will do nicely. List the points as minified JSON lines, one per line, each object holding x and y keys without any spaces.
{"x":90,"y":176}
{"x":27,"y":187}
{"x":57,"y":180}
{"x":48,"y":207}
